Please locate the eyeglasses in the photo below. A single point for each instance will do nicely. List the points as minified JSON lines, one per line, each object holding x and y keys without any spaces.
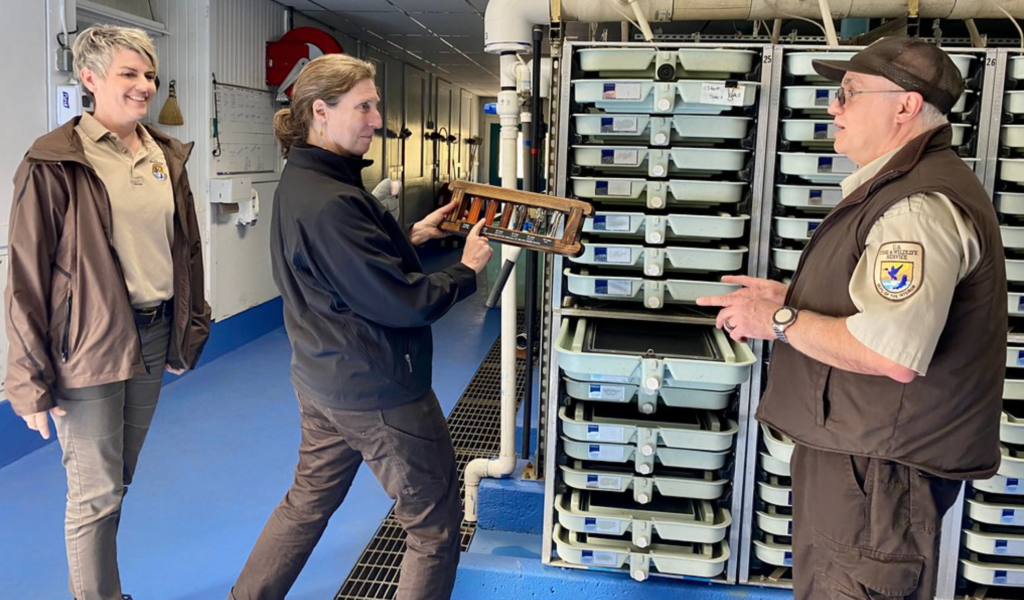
{"x":841,"y":94}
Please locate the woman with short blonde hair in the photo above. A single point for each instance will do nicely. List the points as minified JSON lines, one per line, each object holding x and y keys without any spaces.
{"x":104,"y":291}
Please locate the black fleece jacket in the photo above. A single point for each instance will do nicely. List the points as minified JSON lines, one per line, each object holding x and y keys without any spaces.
{"x":357,"y":305}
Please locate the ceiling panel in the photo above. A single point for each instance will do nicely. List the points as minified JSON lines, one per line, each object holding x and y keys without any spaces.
{"x":356,"y":5}
{"x":341,"y":23}
{"x":384,"y":24}
{"x":451,"y":23}
{"x":300,"y":5}
{"x":420,"y":43}
{"x":434,"y":5}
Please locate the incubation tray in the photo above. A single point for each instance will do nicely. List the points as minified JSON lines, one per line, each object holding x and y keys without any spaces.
{"x":673,"y":519}
{"x":677,"y":483}
{"x":654,"y":293}
{"x":648,"y":353}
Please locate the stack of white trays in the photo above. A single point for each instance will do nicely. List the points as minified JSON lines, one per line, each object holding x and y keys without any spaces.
{"x":647,"y":433}
{"x":773,"y":518}
{"x":810,"y":170}
{"x":662,"y":145}
{"x":1009,"y":195}
{"x":993,"y":534}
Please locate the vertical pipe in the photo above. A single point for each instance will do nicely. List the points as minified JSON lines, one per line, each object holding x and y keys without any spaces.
{"x":530,"y":305}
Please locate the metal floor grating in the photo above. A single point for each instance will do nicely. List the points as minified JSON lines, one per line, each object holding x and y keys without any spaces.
{"x":473,"y":424}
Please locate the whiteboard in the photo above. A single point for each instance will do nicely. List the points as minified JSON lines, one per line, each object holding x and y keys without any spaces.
{"x":244,"y":128}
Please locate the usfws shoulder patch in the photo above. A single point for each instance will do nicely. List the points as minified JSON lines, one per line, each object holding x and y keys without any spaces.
{"x":899,"y":270}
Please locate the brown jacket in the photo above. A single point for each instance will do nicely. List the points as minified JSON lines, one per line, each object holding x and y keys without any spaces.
{"x":69,"y":320}
{"x":946,"y":423}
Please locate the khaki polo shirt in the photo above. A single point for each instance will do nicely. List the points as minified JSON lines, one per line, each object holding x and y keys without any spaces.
{"x":915,"y":255}
{"x":142,"y":205}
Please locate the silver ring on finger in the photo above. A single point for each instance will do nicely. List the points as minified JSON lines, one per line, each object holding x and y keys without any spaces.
{"x":729,"y":326}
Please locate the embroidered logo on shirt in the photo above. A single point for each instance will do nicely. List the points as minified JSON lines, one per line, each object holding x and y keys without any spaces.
{"x":159,"y":173}
{"x":899,"y":270}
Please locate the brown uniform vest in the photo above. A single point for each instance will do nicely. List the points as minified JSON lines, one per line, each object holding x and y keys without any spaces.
{"x":946,"y":423}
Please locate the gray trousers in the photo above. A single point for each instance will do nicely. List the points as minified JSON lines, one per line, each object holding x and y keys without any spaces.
{"x":101,"y":438}
{"x":409,"y":450}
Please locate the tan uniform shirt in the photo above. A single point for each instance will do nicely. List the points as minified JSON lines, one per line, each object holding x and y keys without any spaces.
{"x":142,"y":205}
{"x":915,"y":255}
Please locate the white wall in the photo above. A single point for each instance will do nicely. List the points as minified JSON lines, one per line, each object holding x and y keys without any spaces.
{"x":240,"y":255}
{"x":26,"y":113}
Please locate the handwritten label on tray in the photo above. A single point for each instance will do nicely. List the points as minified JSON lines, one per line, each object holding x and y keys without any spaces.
{"x":725,"y":94}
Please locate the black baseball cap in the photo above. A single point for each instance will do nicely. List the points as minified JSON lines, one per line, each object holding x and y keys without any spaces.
{"x":911,"y":63}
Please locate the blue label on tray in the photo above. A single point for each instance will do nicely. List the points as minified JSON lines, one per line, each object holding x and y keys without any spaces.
{"x":790,"y":527}
{"x":821,"y":131}
{"x":812,"y":226}
{"x":595,"y":388}
{"x":591,"y":480}
{"x":1002,"y":546}
{"x":588,"y":556}
{"x":589,"y":522}
{"x":601,"y":287}
{"x":814,"y":194}
{"x":600,"y":254}
{"x":600,"y":223}
{"x":593,"y":429}
{"x":1009,"y":515}
{"x":1020,"y":358}
{"x":601,"y":188}
{"x":821,"y":97}
{"x":607,"y":157}
{"x":1000,"y":577}
{"x":824,"y":164}
{"x":607,"y":125}
{"x":787,"y":559}
{"x":790,"y":498}
{"x":1011,"y":484}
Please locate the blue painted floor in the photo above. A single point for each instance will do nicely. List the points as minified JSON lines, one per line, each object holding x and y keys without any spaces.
{"x":218,"y":459}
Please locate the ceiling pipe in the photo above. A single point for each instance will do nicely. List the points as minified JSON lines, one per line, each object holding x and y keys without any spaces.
{"x":594,"y":11}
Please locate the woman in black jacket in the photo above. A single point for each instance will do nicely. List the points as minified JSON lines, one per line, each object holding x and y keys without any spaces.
{"x":358,"y":310}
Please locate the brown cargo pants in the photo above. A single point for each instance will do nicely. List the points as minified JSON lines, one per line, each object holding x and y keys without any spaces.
{"x":409,"y":450}
{"x":865,"y":528}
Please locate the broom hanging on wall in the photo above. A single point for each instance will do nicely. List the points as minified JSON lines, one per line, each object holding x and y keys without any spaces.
{"x":170,"y":114}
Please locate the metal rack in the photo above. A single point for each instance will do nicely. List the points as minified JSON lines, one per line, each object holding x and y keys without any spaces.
{"x":753,"y":522}
{"x":647,"y":228}
{"x":986,"y":554}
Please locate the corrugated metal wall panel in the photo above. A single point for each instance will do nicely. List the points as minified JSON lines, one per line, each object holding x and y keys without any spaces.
{"x":239,"y":32}
{"x":184,"y":56}
{"x":240,"y":266}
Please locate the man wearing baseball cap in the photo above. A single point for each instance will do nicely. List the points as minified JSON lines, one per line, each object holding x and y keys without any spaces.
{"x":888,"y":368}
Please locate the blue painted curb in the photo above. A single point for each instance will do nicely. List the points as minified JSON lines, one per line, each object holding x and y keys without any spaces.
{"x":511,"y":504}
{"x":485,"y":576}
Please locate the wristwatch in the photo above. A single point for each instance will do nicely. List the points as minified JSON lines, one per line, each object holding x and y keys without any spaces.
{"x":781,"y":320}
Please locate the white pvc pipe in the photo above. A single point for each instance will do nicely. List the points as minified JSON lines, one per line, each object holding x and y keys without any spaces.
{"x":505,"y":463}
{"x":830,"y":27}
{"x":508,"y":24}
{"x":641,"y":21}
{"x":593,"y":11}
